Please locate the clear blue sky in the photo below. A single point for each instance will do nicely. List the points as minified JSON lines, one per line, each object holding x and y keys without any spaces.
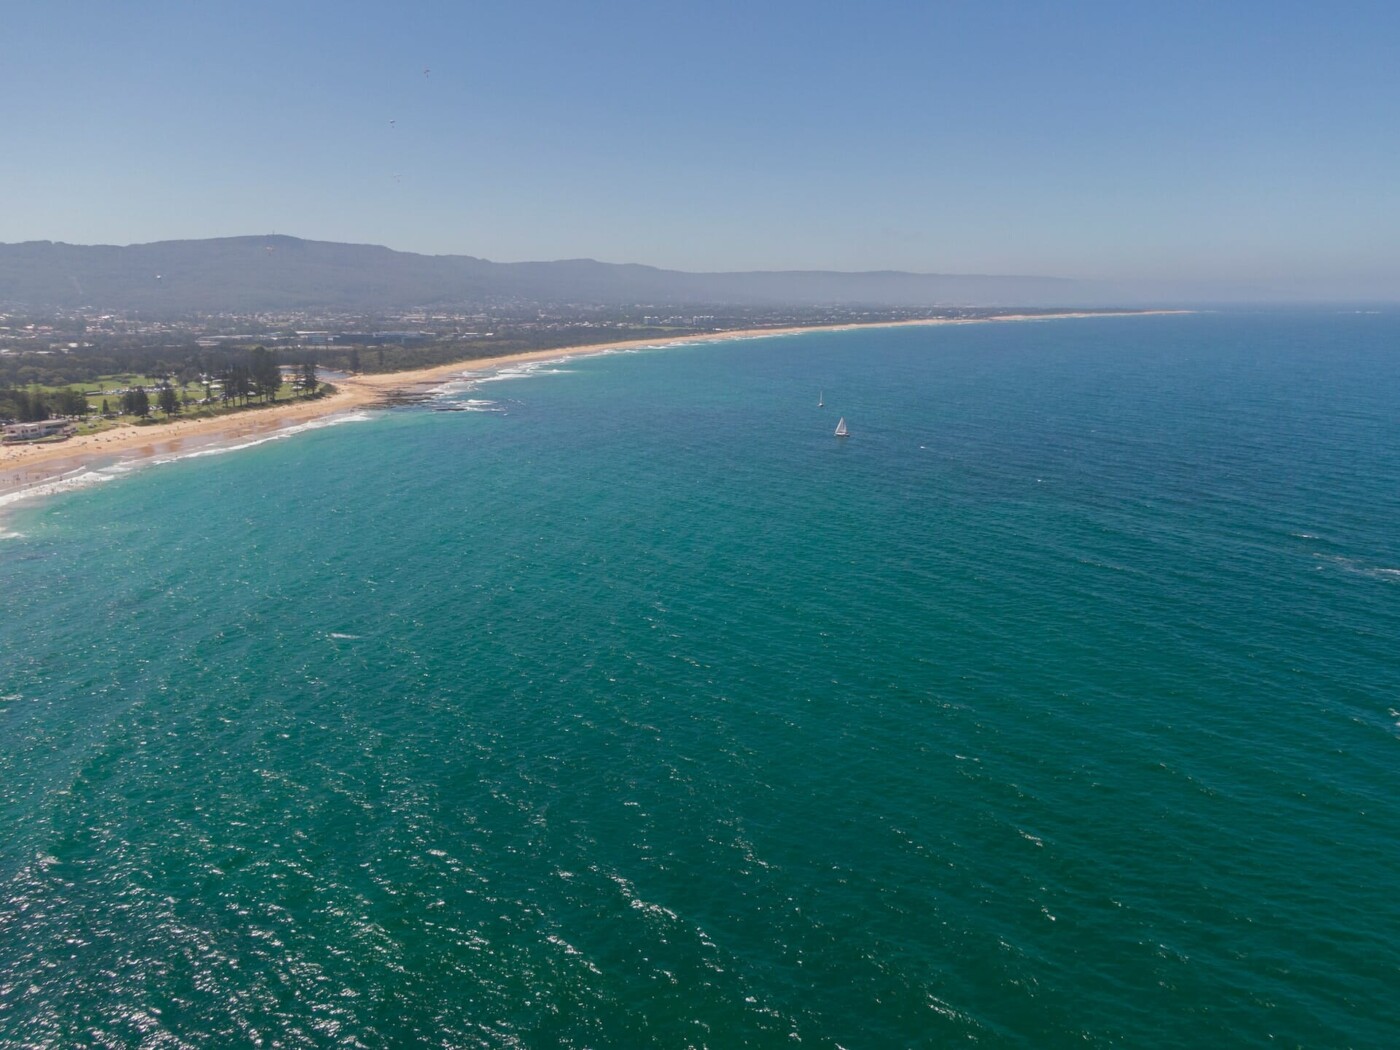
{"x":1210,"y":141}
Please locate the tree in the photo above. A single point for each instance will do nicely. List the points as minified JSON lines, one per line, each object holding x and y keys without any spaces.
{"x":30,"y":408}
{"x":265,"y":374}
{"x":69,"y":402}
{"x":307,"y":380}
{"x":236,"y":383}
{"x":136,"y":402}
{"x":169,"y":402}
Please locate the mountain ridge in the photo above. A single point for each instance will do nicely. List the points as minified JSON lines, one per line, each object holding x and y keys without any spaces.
{"x":280,"y":272}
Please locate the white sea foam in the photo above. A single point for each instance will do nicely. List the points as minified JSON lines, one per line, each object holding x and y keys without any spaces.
{"x":451,"y":393}
{"x":263,"y":439}
{"x":654,"y":910}
{"x":452,"y":386}
{"x":525,"y":371}
{"x":77,"y":479}
{"x":83,"y":477}
{"x":1357,"y":568}
{"x":466,"y":381}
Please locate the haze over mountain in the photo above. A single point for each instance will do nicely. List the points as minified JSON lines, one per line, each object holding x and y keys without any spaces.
{"x":247,"y":274}
{"x":239,"y":274}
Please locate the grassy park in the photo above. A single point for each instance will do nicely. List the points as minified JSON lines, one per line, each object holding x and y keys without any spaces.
{"x":144,"y":399}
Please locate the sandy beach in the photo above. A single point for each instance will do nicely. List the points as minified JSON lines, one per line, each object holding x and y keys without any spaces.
{"x":34,"y":468}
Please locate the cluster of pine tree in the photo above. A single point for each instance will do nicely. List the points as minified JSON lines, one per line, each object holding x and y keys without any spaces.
{"x":261,"y":377}
{"x":25,"y":406}
{"x":258,"y":376}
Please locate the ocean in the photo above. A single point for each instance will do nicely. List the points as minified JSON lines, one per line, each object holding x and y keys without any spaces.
{"x":615,"y":702}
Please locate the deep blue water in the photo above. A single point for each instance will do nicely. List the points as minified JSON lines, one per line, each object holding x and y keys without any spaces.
{"x":1057,"y":706}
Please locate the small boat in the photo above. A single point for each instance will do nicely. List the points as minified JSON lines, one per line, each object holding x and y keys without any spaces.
{"x":821,"y":402}
{"x":841,"y":430}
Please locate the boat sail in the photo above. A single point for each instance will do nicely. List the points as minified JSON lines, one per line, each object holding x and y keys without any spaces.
{"x":841,"y":430}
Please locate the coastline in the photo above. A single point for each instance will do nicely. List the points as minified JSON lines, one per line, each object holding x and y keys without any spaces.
{"x":31,"y":471}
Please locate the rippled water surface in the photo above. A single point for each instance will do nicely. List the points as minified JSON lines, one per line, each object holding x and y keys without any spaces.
{"x":1054,"y":707}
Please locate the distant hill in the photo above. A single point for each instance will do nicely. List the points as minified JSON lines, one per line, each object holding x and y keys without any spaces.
{"x":246,"y":274}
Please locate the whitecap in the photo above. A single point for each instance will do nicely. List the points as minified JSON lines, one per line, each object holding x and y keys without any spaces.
{"x":1358,"y":568}
{"x":569,"y":949}
{"x":654,"y":910}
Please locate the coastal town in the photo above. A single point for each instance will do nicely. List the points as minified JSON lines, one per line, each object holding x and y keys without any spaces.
{"x":74,"y":332}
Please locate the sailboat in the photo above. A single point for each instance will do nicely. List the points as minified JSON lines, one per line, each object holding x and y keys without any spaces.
{"x":821,"y":402}
{"x":841,"y":428}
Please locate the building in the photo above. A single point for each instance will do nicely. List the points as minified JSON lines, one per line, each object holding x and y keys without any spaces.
{"x":34,"y":431}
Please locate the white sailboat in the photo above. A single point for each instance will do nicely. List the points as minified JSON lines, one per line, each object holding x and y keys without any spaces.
{"x":841,"y":428}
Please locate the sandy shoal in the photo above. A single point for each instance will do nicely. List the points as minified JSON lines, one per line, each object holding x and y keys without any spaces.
{"x":28,"y":466}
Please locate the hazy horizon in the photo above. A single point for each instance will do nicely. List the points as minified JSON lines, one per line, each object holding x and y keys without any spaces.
{"x":1238,"y":149}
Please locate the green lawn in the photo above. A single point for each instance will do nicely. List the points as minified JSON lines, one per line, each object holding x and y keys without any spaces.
{"x":190,"y":395}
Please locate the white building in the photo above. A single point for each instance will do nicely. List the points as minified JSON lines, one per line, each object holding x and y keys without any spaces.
{"x":34,"y":431}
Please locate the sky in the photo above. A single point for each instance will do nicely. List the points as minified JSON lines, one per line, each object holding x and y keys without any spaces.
{"x":1252,"y":143}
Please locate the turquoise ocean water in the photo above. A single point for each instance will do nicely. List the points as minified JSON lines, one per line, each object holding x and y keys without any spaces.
{"x":1055,"y":707}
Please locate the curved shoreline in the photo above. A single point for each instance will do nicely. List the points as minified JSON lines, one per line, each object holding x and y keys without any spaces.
{"x":33,"y":468}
